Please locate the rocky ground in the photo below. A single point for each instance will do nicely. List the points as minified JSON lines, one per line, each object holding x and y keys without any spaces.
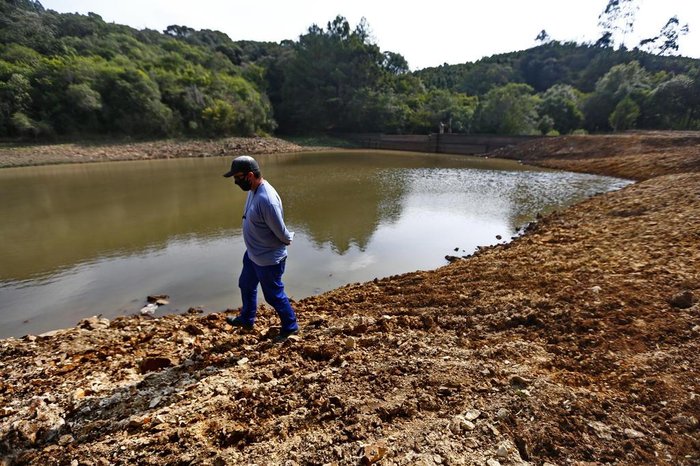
{"x":13,"y":155}
{"x":575,"y":344}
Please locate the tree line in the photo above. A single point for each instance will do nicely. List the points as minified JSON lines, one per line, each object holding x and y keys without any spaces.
{"x":76,"y":75}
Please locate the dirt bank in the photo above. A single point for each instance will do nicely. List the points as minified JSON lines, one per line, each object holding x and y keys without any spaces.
{"x":634,"y":155}
{"x":44,"y":154}
{"x":576,"y":344}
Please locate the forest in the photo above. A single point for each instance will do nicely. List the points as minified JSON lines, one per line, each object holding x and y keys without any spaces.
{"x":76,"y":76}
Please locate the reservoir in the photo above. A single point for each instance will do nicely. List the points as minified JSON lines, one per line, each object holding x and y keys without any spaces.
{"x":86,"y":239}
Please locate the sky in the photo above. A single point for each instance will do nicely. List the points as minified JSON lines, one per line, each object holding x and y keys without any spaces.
{"x":425,"y":33}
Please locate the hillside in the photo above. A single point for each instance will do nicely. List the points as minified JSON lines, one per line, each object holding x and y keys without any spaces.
{"x":576,"y":343}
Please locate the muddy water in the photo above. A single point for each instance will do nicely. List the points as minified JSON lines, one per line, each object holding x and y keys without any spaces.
{"x":80,"y":240}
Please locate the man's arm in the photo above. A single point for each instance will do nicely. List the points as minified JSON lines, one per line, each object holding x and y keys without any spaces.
{"x":275,"y":221}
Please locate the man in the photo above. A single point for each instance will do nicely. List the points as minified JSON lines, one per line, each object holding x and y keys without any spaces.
{"x":266,"y":239}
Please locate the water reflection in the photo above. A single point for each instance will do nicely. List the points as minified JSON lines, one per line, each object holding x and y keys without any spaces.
{"x":85,"y":239}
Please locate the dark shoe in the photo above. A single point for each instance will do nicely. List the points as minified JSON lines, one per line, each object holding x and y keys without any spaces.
{"x":238,"y":322}
{"x":282,"y":337}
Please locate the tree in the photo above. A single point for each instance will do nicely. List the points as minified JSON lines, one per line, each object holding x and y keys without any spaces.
{"x":626,"y":80}
{"x":543,"y":37}
{"x":673,"y":104}
{"x":669,"y":35}
{"x":617,"y":19}
{"x":131,"y":103}
{"x":625,"y":115}
{"x":327,"y":71}
{"x":509,"y":109}
{"x":562,"y":103}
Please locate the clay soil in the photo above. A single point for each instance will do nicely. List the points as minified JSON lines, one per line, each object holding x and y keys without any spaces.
{"x":574,"y":344}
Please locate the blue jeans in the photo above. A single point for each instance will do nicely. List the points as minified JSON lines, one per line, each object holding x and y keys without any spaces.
{"x":270,"y":279}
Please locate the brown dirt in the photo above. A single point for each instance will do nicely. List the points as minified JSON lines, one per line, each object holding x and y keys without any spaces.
{"x":575,"y":344}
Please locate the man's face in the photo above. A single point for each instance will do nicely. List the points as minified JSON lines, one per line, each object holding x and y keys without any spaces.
{"x":242,"y":180}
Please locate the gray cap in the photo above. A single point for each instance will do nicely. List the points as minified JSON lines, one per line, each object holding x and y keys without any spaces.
{"x":243,"y":164}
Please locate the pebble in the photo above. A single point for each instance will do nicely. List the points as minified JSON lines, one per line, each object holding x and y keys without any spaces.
{"x":502,"y":414}
{"x":472,"y":414}
{"x":502,"y":451}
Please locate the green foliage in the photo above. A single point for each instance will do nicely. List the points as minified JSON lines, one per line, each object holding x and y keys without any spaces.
{"x":69,"y":74}
{"x":625,"y":115}
{"x":562,"y":104}
{"x":326,"y":78}
{"x":509,"y":109}
{"x":674,"y":104}
{"x":624,"y":81}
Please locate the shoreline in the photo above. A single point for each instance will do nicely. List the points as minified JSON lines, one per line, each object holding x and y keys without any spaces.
{"x":27,"y":155}
{"x":575,"y":343}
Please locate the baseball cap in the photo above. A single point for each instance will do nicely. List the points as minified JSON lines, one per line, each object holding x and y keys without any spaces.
{"x":243,"y":164}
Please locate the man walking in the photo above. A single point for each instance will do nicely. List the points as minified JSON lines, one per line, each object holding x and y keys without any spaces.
{"x":266,"y":239}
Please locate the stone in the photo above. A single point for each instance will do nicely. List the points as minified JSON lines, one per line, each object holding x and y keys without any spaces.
{"x":492,"y":462}
{"x":460,"y":424}
{"x":93,"y":323}
{"x":158,"y":299}
{"x":149,"y":309}
{"x":194,"y":330}
{"x":502,"y":414}
{"x":632,"y":434}
{"x":683,"y":300}
{"x":373,"y":452}
{"x":472,"y":414}
{"x":156,"y":363}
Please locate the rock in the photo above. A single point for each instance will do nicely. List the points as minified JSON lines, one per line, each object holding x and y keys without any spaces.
{"x":42,"y":425}
{"x":350,"y":343}
{"x":519,"y":382}
{"x":242,"y":361}
{"x":65,"y":440}
{"x":632,"y":434}
{"x":602,"y":431}
{"x":149,"y":309}
{"x":472,"y":414}
{"x":93,"y":323}
{"x":151,"y":364}
{"x":502,"y":414}
{"x":502,"y":451}
{"x":492,"y":462}
{"x":683,"y":300}
{"x":154,"y":402}
{"x":192,"y":329}
{"x":158,"y":299}
{"x":460,"y":424}
{"x":373,"y":452}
